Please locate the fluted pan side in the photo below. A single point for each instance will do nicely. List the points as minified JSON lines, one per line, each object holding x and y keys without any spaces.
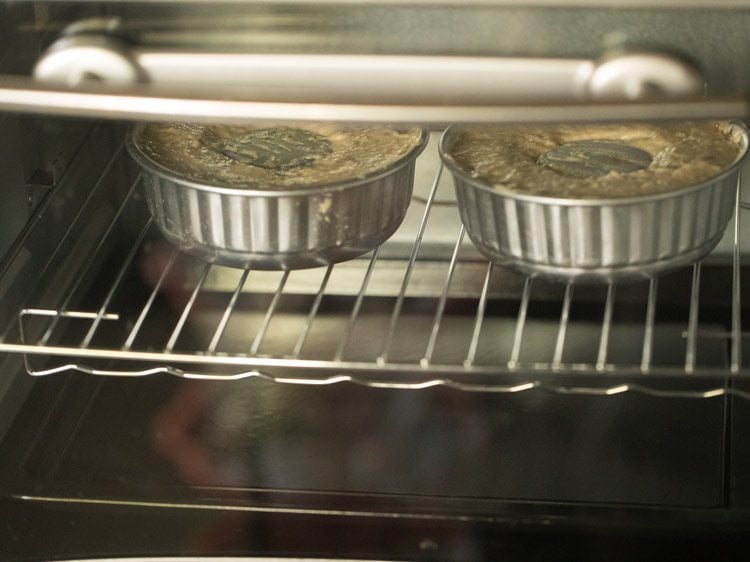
{"x":611,"y":239}
{"x":277,"y":229}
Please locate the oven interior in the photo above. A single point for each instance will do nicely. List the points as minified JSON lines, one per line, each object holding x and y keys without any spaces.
{"x":417,"y":383}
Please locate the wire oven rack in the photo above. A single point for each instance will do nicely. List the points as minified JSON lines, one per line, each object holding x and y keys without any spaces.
{"x":459,"y":323}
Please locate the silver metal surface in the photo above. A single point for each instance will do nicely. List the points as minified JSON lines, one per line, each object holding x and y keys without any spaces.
{"x":594,"y":239}
{"x":563,"y":328}
{"x":313,"y":313}
{"x":481,"y":308}
{"x":523,"y":308}
{"x":149,"y":303}
{"x":648,"y":332}
{"x":440,"y":312}
{"x":540,"y":29}
{"x":383,"y":357}
{"x":227,"y":312}
{"x":341,"y":348}
{"x":188,"y":307}
{"x":75,"y":60}
{"x":116,"y":285}
{"x":692,"y":331}
{"x":242,"y":326}
{"x":601,"y":358}
{"x":278,"y":229}
{"x":258,"y":340}
{"x":140,"y":103}
{"x":643,"y":75}
{"x":736,"y":357}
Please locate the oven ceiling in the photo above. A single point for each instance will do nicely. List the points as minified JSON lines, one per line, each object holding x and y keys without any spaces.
{"x":710,"y":38}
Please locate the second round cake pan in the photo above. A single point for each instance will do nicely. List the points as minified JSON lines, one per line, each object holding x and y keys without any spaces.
{"x":599,"y":240}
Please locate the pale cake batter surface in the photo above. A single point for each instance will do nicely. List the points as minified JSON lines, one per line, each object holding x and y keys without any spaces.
{"x":682,"y":154}
{"x":270,"y":156}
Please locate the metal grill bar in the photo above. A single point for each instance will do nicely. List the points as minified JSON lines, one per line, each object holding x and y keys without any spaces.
{"x":116,"y":284}
{"x":188,"y":307}
{"x":389,"y":370}
{"x":648,"y":330}
{"x":383,"y":358}
{"x":736,"y":350}
{"x":269,"y":315}
{"x":150,"y":302}
{"x":471,"y":355}
{"x":26,"y":96}
{"x":45,"y":338}
{"x":562,"y":331}
{"x":164,"y":363}
{"x":601,"y":358}
{"x":356,"y":308}
{"x":515,"y":388}
{"x":227,"y":312}
{"x":425,"y":361}
{"x":520,"y":324}
{"x":66,"y":313}
{"x":313,"y":313}
{"x":692,"y":331}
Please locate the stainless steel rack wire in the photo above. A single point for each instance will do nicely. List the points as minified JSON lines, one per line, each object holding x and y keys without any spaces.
{"x":408,"y":323}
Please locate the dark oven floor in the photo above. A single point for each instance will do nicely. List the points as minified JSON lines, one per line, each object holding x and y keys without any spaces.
{"x":197,"y":467}
{"x":655,"y":448}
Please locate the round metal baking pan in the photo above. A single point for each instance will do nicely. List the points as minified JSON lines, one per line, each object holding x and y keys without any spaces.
{"x":599,"y":240}
{"x":277,"y":228}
